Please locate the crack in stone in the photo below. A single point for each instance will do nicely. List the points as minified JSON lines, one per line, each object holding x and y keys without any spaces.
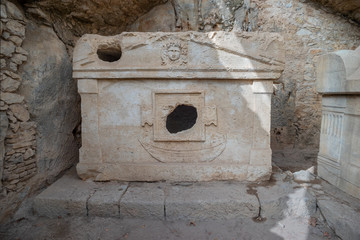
{"x":166,"y":191}
{"x":253,"y":191}
{"x":127,"y":187}
{"x":87,"y":201}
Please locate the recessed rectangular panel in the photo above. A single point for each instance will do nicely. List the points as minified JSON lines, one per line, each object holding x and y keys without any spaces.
{"x":177,"y":108}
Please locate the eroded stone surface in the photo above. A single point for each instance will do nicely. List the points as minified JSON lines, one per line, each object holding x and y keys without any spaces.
{"x":210,"y":201}
{"x":67,"y":196}
{"x":280,"y":204}
{"x":105,"y":202}
{"x":20,"y":112}
{"x":286,"y":199}
{"x":341,"y":218}
{"x":159,"y":19}
{"x":11,"y":98}
{"x":145,"y":200}
{"x":52,"y":100}
{"x":9,"y":85}
{"x":340,"y":209}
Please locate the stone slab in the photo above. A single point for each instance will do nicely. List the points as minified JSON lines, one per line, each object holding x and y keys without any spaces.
{"x":105,"y":202}
{"x":286,"y":199}
{"x":67,"y":196}
{"x":216,"y":200}
{"x":341,"y":210}
{"x":280,"y":198}
{"x":341,"y":218}
{"x":173,"y":172}
{"x":143,"y":200}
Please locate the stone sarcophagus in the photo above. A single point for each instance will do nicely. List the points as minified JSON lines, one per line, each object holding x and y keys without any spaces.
{"x":338,"y":80}
{"x":176,"y":106}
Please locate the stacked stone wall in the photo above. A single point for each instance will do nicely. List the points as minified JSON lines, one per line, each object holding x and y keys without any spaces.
{"x":18,"y":131}
{"x":39,"y":108}
{"x":309,"y":30}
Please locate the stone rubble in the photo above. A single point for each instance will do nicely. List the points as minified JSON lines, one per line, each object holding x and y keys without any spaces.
{"x":304,"y":176}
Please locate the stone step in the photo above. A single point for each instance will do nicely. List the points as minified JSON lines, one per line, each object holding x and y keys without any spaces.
{"x":70,"y":196}
{"x":341,"y":210}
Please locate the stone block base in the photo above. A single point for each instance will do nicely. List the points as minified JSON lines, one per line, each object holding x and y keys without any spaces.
{"x":173,"y":172}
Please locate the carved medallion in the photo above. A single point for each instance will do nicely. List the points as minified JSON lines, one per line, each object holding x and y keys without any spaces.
{"x":174,"y":52}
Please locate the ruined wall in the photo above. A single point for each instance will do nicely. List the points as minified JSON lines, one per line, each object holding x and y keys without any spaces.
{"x":39,"y":108}
{"x":18,"y":140}
{"x":309,"y":30}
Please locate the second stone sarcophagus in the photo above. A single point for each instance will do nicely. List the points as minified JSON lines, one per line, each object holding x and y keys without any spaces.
{"x":176,"y":106}
{"x":338,"y":81}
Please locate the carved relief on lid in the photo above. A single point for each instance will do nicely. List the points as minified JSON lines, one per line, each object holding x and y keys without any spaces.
{"x":174,"y":52}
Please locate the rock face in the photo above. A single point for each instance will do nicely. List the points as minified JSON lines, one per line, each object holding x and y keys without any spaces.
{"x":75,"y":18}
{"x":51,"y":95}
{"x":189,"y":15}
{"x":350,"y":8}
{"x":160,"y":18}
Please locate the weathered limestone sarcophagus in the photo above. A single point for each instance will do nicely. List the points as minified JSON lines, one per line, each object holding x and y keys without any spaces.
{"x":176,"y":106}
{"x":338,"y":80}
